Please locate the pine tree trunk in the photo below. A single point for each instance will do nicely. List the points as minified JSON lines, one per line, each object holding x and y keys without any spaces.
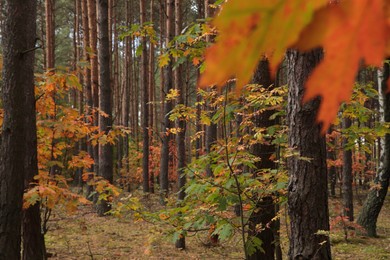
{"x":265,"y":209}
{"x":50,"y":34}
{"x":180,"y":124}
{"x":331,"y":154}
{"x":145,"y":101}
{"x":307,"y":189}
{"x":18,"y":151}
{"x":105,"y":122}
{"x":376,"y":197}
{"x":347,"y":174}
{"x":152,"y":96}
{"x":211,"y":130}
{"x":92,"y":22}
{"x":167,"y":104}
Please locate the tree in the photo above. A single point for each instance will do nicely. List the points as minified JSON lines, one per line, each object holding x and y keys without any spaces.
{"x":94,"y":72}
{"x":105,"y":121}
{"x":170,"y":32}
{"x":265,"y":212}
{"x":180,"y":123}
{"x":376,"y":197}
{"x":347,"y":173}
{"x":211,"y":130}
{"x":145,"y":102}
{"x":307,"y":188}
{"x":17,"y":151}
{"x":50,"y":34}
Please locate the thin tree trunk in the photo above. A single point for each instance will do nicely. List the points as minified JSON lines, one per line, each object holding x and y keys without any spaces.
{"x":167,"y":104}
{"x":152,"y":95}
{"x":50,"y":34}
{"x":94,"y":72}
{"x":145,"y":101}
{"x":307,"y":189}
{"x":347,"y":174}
{"x":180,"y":124}
{"x":211,"y":130}
{"x":331,"y":154}
{"x":265,"y":209}
{"x":87,"y":82}
{"x":105,"y":122}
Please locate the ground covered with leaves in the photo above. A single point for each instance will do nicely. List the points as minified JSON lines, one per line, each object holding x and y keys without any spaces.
{"x":84,"y":235}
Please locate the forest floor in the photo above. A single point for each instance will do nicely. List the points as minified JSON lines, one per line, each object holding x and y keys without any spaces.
{"x":84,"y":235}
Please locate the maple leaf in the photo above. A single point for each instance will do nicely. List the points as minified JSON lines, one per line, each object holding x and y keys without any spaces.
{"x":246,"y":35}
{"x":349,"y":32}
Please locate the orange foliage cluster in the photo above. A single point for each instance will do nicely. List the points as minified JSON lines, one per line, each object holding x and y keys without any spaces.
{"x":349,"y":31}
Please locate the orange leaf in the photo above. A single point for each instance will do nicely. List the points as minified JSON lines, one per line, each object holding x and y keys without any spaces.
{"x":245,"y":37}
{"x":349,"y":32}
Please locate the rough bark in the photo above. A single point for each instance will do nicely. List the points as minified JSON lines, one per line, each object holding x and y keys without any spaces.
{"x":105,"y":122}
{"x":145,"y":101}
{"x":152,"y":95}
{"x":307,"y":188}
{"x":17,"y":151}
{"x":347,"y":174}
{"x":332,"y":175}
{"x":265,"y":211}
{"x":180,"y":124}
{"x":94,"y":72}
{"x":50,"y":34}
{"x":375,"y":199}
{"x":167,"y":104}
{"x":211,"y":130}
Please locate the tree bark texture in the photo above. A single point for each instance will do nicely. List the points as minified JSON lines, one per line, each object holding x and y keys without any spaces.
{"x":376,"y":197}
{"x":307,"y":188}
{"x":94,"y":72}
{"x":180,"y":124}
{"x":265,"y":212}
{"x":332,"y":175}
{"x":170,"y":32}
{"x":50,"y":34}
{"x":17,"y":152}
{"x":347,"y":174}
{"x":145,"y":101}
{"x":105,"y":122}
{"x":211,"y":130}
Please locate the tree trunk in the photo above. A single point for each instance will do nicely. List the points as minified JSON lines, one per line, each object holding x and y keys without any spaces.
{"x":347,"y":174}
{"x":105,"y":122}
{"x":94,"y":72}
{"x":307,"y":189}
{"x":375,"y":199}
{"x":145,"y":101}
{"x":331,"y":154}
{"x":170,"y":31}
{"x":180,"y":124}
{"x":152,"y":96}
{"x":211,"y":130}
{"x":50,"y":34}
{"x":17,"y":149}
{"x":265,"y":209}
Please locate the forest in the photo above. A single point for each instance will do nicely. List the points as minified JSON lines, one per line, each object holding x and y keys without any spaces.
{"x":198,"y":129}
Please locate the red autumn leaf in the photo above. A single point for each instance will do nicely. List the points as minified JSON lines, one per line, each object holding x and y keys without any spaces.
{"x":245,"y":36}
{"x":349,"y":31}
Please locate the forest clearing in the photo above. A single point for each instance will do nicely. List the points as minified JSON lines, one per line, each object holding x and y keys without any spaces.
{"x":199,"y":129}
